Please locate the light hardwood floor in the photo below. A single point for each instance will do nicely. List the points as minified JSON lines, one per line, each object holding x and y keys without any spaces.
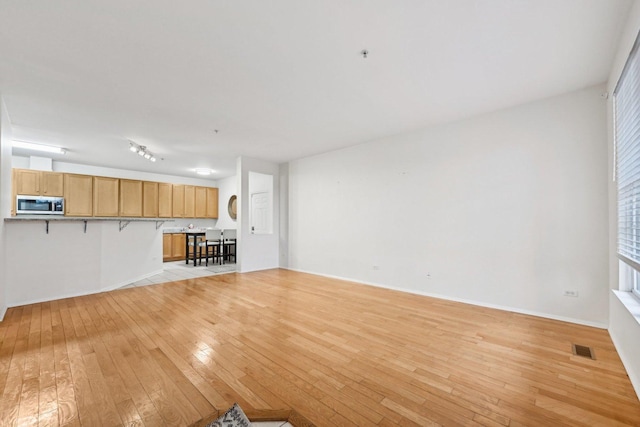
{"x":338,"y":353}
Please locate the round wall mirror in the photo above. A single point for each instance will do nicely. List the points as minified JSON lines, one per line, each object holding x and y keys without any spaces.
{"x":232,"y":207}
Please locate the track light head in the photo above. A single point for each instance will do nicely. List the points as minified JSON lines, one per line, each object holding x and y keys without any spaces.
{"x":141,"y":150}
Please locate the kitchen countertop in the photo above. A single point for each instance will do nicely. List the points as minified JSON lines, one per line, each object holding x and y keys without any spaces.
{"x":81,"y":218}
{"x":173,"y":230}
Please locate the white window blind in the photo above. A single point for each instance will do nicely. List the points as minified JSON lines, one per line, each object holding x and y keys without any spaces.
{"x":627,"y":142}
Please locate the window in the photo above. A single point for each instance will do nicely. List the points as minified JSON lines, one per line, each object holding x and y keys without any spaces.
{"x":627,"y":163}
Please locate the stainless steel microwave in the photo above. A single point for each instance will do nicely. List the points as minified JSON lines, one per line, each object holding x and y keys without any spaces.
{"x":39,"y":205}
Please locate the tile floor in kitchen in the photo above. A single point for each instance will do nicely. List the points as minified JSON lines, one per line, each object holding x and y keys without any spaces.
{"x":178,"y":270}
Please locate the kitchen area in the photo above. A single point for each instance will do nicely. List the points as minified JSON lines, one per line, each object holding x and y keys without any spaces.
{"x":84,"y":229}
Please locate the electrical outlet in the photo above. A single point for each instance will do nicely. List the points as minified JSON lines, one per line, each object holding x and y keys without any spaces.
{"x":570,"y":293}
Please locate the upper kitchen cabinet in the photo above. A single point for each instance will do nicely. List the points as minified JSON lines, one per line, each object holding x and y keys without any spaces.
{"x":201,"y":202}
{"x":39,"y":183}
{"x":212,"y":202}
{"x":150,"y":199}
{"x":101,"y":196}
{"x":130,"y":198}
{"x":78,"y":195}
{"x":28,"y":182}
{"x":165,"y":200}
{"x":105,"y":196}
{"x":52,"y":184}
{"x":178,"y":200}
{"x":189,"y":201}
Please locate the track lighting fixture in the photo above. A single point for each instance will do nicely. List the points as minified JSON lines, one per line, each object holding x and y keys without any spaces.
{"x":142,"y":151}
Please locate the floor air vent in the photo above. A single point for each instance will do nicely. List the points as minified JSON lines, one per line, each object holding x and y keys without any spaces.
{"x":584,"y":351}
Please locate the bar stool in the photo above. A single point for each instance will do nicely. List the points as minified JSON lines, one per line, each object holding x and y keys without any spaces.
{"x":212,"y":240}
{"x":229,"y":245}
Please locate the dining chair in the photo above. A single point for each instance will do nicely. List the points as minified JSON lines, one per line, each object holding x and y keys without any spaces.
{"x":212,"y":245}
{"x":229,"y":244}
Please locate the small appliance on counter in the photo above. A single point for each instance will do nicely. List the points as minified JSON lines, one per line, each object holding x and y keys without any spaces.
{"x":39,"y":205}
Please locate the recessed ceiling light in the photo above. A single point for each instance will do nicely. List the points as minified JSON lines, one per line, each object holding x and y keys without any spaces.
{"x":38,"y":147}
{"x":203,"y":171}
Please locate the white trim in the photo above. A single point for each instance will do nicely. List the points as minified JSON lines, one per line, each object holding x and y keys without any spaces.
{"x":260,"y":269}
{"x":82,"y":294}
{"x":632,"y":305}
{"x":630,"y":302}
{"x":463,"y":300}
{"x":3,"y":312}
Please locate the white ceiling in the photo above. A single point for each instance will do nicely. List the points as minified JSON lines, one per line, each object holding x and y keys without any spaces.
{"x":281,"y":79}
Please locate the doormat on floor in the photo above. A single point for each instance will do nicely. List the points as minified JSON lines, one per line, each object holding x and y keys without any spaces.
{"x":225,"y":268}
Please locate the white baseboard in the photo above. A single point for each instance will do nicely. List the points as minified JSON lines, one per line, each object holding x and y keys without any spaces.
{"x":462,"y":300}
{"x":258,"y":269}
{"x":3,"y":311}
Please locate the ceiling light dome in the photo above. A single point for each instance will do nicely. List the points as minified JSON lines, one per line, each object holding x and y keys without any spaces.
{"x":203,"y":171}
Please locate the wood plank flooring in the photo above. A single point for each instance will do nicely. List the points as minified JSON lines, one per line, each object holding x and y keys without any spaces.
{"x":339,"y":353}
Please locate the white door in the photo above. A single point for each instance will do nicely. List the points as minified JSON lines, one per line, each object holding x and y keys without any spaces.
{"x":260,"y":213}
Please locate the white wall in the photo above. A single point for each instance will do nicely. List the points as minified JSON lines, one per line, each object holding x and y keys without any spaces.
{"x":69,"y":262}
{"x":5,"y":198}
{"x":507,"y":209}
{"x":227,"y":187}
{"x":256,"y":251}
{"x":624,"y":326}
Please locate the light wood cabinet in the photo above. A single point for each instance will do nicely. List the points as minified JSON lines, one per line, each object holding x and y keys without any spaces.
{"x":178,"y":201}
{"x":173,"y":247}
{"x":165,"y":200}
{"x":52,"y":184}
{"x":78,"y":195}
{"x":38,"y":183}
{"x":167,"y":252}
{"x":201,"y":202}
{"x":189,"y":201}
{"x":87,"y":195}
{"x":177,"y":246}
{"x":150,"y":204}
{"x":28,"y":182}
{"x":212,"y":203}
{"x":130,"y":198}
{"x":105,"y":196}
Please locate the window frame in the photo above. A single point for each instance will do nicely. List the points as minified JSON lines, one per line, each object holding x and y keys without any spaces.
{"x":633,"y":59}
